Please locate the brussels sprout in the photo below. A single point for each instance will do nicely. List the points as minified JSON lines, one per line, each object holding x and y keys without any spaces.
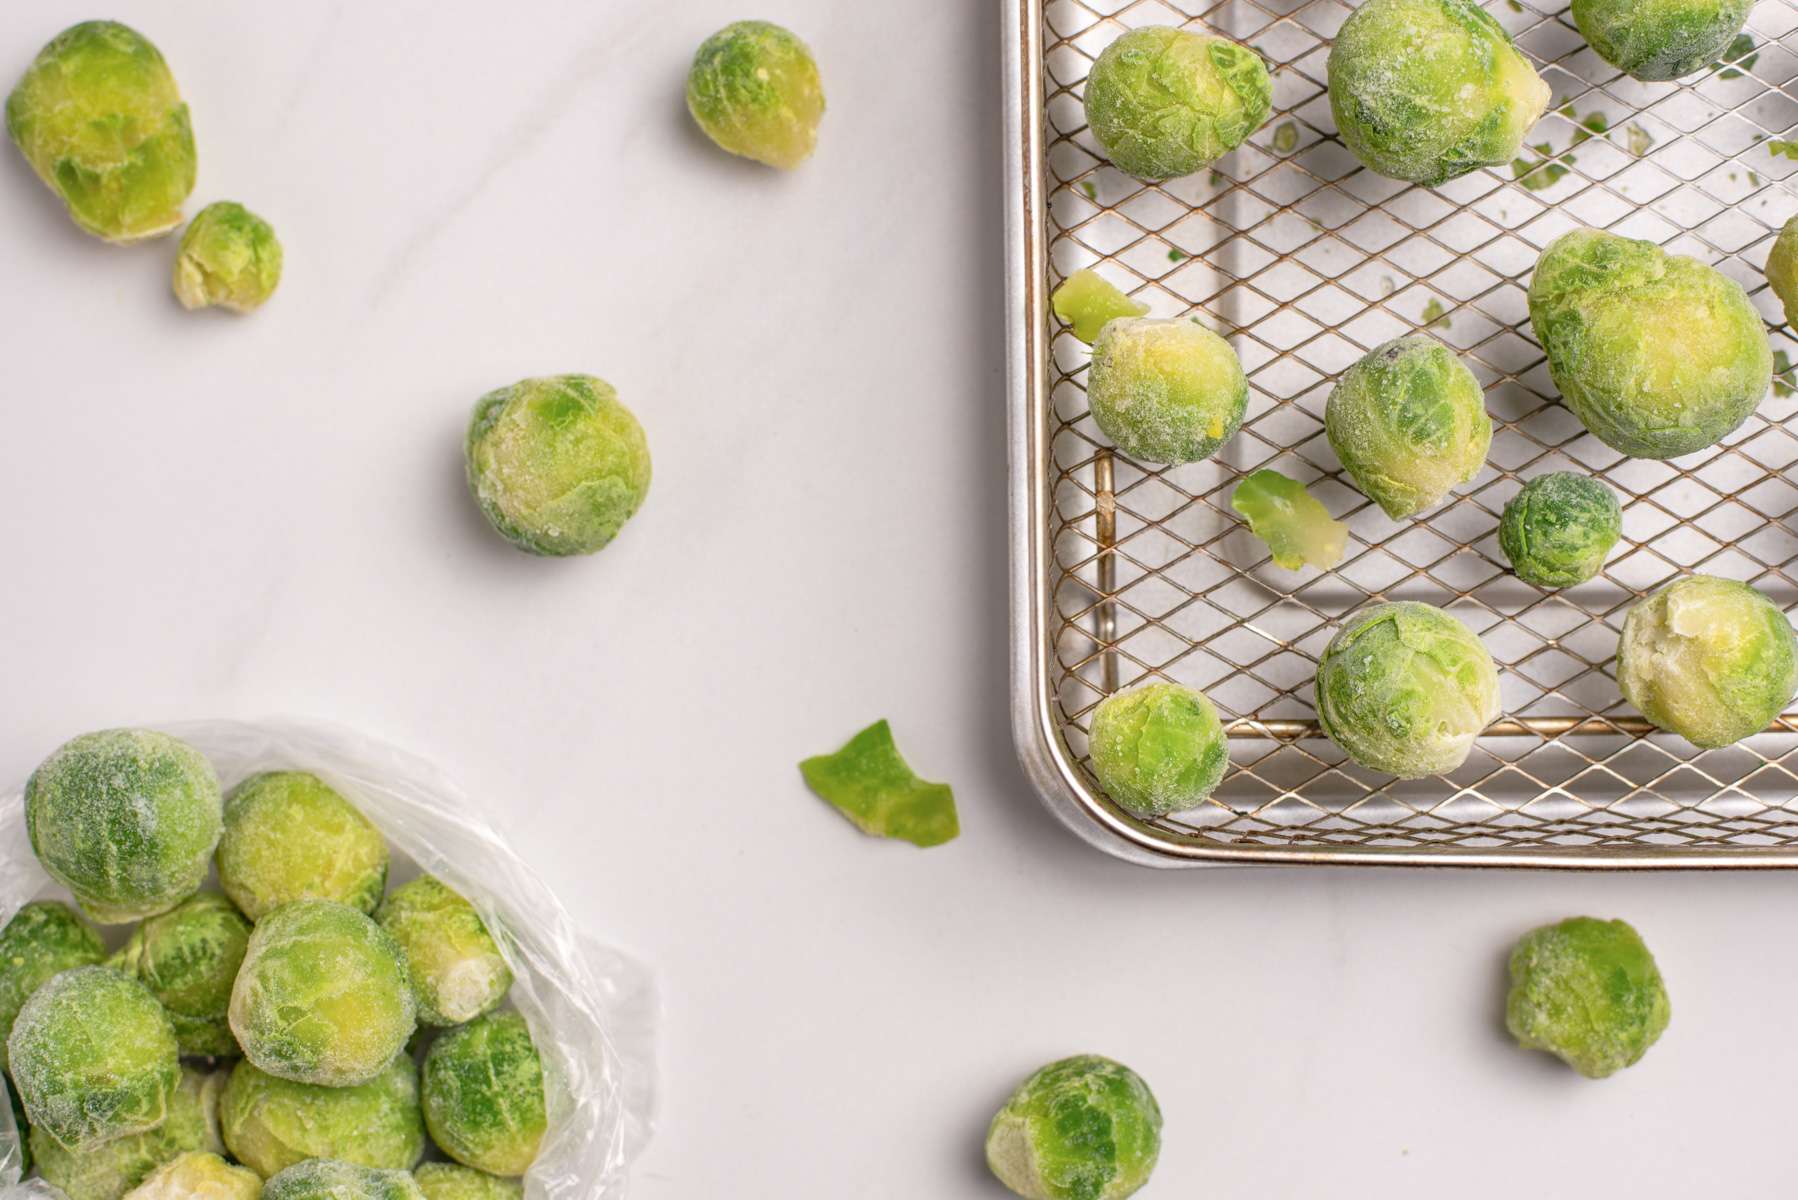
{"x":1084,"y":1128}
{"x":126,"y":819}
{"x":483,"y":1094}
{"x":1588,"y":992}
{"x":1405,"y":688}
{"x":1658,"y":40}
{"x":1657,"y":354}
{"x":43,"y":939}
{"x":1709,"y":659}
{"x":289,"y":836}
{"x":109,"y":1170}
{"x":456,"y":968}
{"x":270,"y":1124}
{"x":100,"y":120}
{"x":870,"y":782}
{"x":1167,"y":102}
{"x":1296,"y":527}
{"x":1782,"y":269}
{"x":322,"y":996}
{"x":557,"y":464}
{"x":453,"y":1181}
{"x":1409,"y":424}
{"x":1157,"y":749}
{"x":1087,"y":302}
{"x":188,"y":958}
{"x":198,"y":1175}
{"x":1559,"y":528}
{"x":1429,"y":90}
{"x":21,"y":1128}
{"x":754,"y":89}
{"x":229,"y":257}
{"x":328,"y":1179}
{"x":1166,"y":391}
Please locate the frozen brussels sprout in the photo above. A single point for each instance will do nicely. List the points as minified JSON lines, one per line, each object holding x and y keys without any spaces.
{"x":126,"y":819}
{"x":1087,"y":302}
{"x":754,"y":89}
{"x":483,"y":1094}
{"x":188,"y":958}
{"x":1658,"y":40}
{"x":290,"y":836}
{"x":198,"y":1175}
{"x":229,"y":257}
{"x":113,"y":1168}
{"x":1166,"y":391}
{"x":1166,"y":102}
{"x":328,"y":1179}
{"x":870,"y":782}
{"x":1709,"y":659}
{"x":322,"y":996}
{"x":1559,"y":528}
{"x":457,"y":970}
{"x":1657,"y":354}
{"x":100,"y":120}
{"x":1084,"y":1128}
{"x":1296,"y":527}
{"x":1429,"y":90}
{"x":1588,"y":992}
{"x":44,"y":938}
{"x":270,"y":1124}
{"x":1157,"y":749}
{"x":1405,"y":688}
{"x":453,"y":1181}
{"x":557,"y":464}
{"x":1782,"y":269}
{"x":1409,"y":424}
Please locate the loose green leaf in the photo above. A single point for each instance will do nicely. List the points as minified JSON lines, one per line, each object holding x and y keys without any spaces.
{"x":1514,"y":5}
{"x":1294,"y":524}
{"x":1435,"y":316}
{"x":1088,"y":303}
{"x":1787,"y":149}
{"x":1741,"y":52}
{"x":1637,"y":139}
{"x":1175,"y":254}
{"x":1286,"y":137}
{"x":1092,"y":193}
{"x":1537,"y":176}
{"x":869,"y":782}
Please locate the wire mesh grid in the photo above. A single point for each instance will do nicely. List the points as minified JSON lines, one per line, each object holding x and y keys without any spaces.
{"x":1306,"y":261}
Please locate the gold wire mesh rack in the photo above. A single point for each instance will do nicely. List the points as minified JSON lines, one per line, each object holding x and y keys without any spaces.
{"x":1306,"y":261}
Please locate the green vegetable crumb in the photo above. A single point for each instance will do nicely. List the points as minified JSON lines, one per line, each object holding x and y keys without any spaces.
{"x":1296,"y":527}
{"x":869,"y":782}
{"x":1787,"y":149}
{"x":1286,"y":137}
{"x":1087,"y":302}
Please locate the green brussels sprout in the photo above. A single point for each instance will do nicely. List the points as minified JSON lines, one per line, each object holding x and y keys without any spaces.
{"x":1405,"y":688}
{"x":1659,"y":40}
{"x":1559,"y":528}
{"x":1157,"y":749}
{"x":100,"y":120}
{"x":1409,"y":424}
{"x":1083,"y":1128}
{"x":229,"y":257}
{"x":1429,"y":90}
{"x":289,"y":836}
{"x":557,"y":464}
{"x":270,"y":1124}
{"x":483,"y":1094}
{"x":1588,"y":992}
{"x":21,"y":1127}
{"x":322,"y":996}
{"x":1709,"y":659}
{"x":188,"y":958}
{"x":457,"y":970}
{"x":453,"y":1181}
{"x":43,"y":938}
{"x":1087,"y":302}
{"x":1294,"y":524}
{"x":113,"y":1168}
{"x":1782,"y":269}
{"x":198,"y":1175}
{"x":1657,"y":354}
{"x":1166,"y":391}
{"x":328,"y":1179}
{"x":126,"y":819}
{"x":1167,"y":102}
{"x":754,"y":89}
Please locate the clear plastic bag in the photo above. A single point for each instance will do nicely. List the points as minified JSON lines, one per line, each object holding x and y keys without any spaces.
{"x":591,"y":1010}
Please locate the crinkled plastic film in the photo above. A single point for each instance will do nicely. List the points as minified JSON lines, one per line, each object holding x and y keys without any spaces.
{"x":591,"y":1010}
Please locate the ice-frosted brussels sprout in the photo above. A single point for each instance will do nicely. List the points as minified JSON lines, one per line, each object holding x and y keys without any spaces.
{"x":1588,"y":992}
{"x":1294,"y":524}
{"x":198,"y":1175}
{"x":483,"y":1094}
{"x":109,"y":1170}
{"x":1782,"y":269}
{"x":1409,"y":424}
{"x":1710,"y":659}
{"x":1405,"y":688}
{"x":1157,"y":749}
{"x":754,"y":89}
{"x":453,"y":1181}
{"x":1083,"y":1128}
{"x":1428,"y":90}
{"x":1559,"y":528}
{"x":126,"y":819}
{"x":1657,"y":354}
{"x":328,"y":1179}
{"x":322,"y":996}
{"x":188,"y":958}
{"x":457,"y":970}
{"x":270,"y":1124}
{"x":557,"y":464}
{"x":100,"y":120}
{"x":1087,"y":303}
{"x":1658,"y":40}
{"x":289,"y":836}
{"x":43,"y":938}
{"x":1166,"y":391}
{"x":229,"y":257}
{"x":1167,"y":102}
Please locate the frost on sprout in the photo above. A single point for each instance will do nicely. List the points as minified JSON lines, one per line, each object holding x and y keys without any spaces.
{"x":1588,"y":992}
{"x":113,"y":1168}
{"x":1297,"y":528}
{"x":1167,"y":102}
{"x":1083,"y":1128}
{"x":1157,"y":749}
{"x":1659,"y":40}
{"x":270,"y":1124}
{"x":188,"y":958}
{"x":1087,"y":302}
{"x":754,"y":89}
{"x":453,"y":1181}
{"x":1166,"y":391}
{"x":290,"y":836}
{"x":229,"y":257}
{"x":198,"y":1175}
{"x":328,"y":1179}
{"x":483,"y":1094}
{"x":1559,"y":528}
{"x":457,"y":970}
{"x":1782,"y":269}
{"x":43,"y":939}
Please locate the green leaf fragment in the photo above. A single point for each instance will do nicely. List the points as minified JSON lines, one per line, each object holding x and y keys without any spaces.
{"x":1294,"y":524}
{"x":1741,"y":52}
{"x":1638,"y":139}
{"x":869,"y":782}
{"x":1092,"y":193}
{"x":1435,"y":316}
{"x":1175,"y":254}
{"x":1788,"y":149}
{"x":1515,"y":5}
{"x":1088,"y":303}
{"x":1537,"y":176}
{"x":1286,"y":137}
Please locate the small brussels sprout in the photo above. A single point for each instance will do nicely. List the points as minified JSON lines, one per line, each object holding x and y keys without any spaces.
{"x":100,"y":120}
{"x":483,"y":1094}
{"x":44,"y":938}
{"x":229,"y":257}
{"x":1083,"y":1128}
{"x":1157,"y":749}
{"x":1087,"y":302}
{"x":1588,"y":992}
{"x":289,"y":836}
{"x":1296,"y":527}
{"x":1782,"y":269}
{"x":126,"y":819}
{"x":754,"y":89}
{"x":1406,"y":689}
{"x":1166,"y":391}
{"x":1659,"y":40}
{"x":1710,"y":659}
{"x":113,"y":1168}
{"x":1559,"y":528}
{"x":1167,"y":102}
{"x":188,"y":958}
{"x":1429,"y":90}
{"x":869,"y":782}
{"x":1657,"y":354}
{"x":270,"y":1124}
{"x":557,"y":464}
{"x":198,"y":1175}
{"x":328,"y":1179}
{"x":456,"y":968}
{"x":1409,"y":424}
{"x":322,"y":996}
{"x":453,"y":1181}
